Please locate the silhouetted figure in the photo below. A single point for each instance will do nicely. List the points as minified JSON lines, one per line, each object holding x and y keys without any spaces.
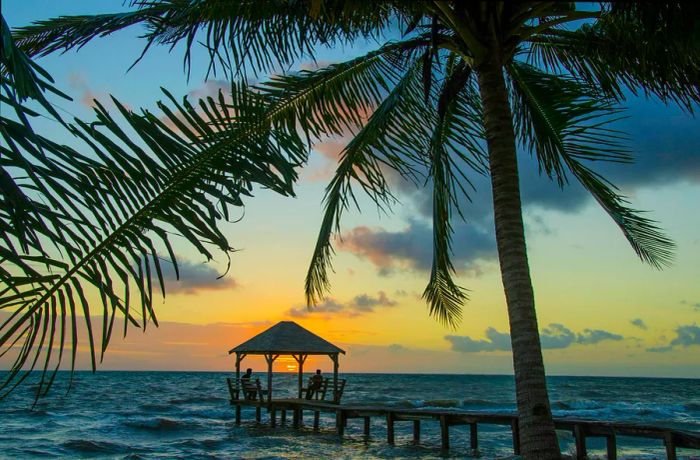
{"x":315,"y":383}
{"x":249,"y":388}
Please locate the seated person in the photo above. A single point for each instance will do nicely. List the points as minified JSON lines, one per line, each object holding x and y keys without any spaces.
{"x":315,"y":383}
{"x":249,"y":388}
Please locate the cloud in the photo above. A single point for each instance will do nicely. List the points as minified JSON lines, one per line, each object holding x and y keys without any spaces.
{"x":87,"y":96}
{"x":194,"y":277}
{"x":686,"y":336}
{"x":496,"y":341}
{"x":411,"y":248}
{"x":638,"y":322}
{"x":327,"y":306}
{"x":211,"y":88}
{"x":591,"y":336}
{"x":359,"y":305}
{"x":695,"y":305}
{"x":554,"y":336}
{"x":364,"y":302}
{"x":662,"y":349}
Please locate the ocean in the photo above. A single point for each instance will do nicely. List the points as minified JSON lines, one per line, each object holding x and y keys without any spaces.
{"x":135,"y":415}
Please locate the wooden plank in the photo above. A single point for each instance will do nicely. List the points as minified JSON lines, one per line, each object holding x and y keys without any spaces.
{"x":473,"y":436}
{"x":612,"y":446}
{"x":366,"y":427}
{"x":273,"y":416}
{"x":257,"y":414}
{"x":390,"y":427}
{"x":416,"y":431}
{"x":295,"y":418}
{"x":444,"y":432}
{"x":580,"y":435}
{"x":238,"y":414}
{"x":670,"y":445}
{"x":316,"y":417}
{"x":516,"y":436}
{"x":283,"y":417}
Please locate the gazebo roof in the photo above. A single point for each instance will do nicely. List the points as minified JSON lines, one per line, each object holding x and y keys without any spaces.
{"x":287,"y":337}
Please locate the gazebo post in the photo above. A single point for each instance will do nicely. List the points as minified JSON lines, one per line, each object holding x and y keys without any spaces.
{"x":270,"y":358}
{"x":334,"y":357}
{"x":238,"y":367}
{"x":301,"y":358}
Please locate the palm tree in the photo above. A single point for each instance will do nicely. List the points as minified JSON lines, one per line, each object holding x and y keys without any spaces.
{"x":466,"y":83}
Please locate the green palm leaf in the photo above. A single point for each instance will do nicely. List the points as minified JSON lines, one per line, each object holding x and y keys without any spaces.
{"x":564,"y":123}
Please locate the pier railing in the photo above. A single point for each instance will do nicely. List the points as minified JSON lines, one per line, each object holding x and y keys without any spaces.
{"x":581,"y":429}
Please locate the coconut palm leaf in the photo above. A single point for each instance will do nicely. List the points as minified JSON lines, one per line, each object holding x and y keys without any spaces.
{"x":125,"y":204}
{"x":250,"y":35}
{"x":455,"y":148}
{"x":625,"y":52}
{"x":564,"y":123}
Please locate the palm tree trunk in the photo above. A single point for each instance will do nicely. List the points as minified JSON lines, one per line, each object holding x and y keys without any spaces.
{"x":537,"y":435}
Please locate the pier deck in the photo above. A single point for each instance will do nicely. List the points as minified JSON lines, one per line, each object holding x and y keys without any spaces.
{"x":581,"y":429}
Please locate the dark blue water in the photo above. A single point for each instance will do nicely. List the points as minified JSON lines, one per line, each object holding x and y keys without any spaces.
{"x":187,"y":415}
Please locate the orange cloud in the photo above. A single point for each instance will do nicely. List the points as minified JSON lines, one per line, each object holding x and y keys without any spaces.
{"x":87,"y":96}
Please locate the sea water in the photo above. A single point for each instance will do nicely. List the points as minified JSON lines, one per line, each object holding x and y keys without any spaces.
{"x":187,"y":415}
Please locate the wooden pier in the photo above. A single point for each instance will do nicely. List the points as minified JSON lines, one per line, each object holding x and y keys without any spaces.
{"x":581,"y":429}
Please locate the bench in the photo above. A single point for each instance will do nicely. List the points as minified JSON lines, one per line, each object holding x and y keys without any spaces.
{"x":320,"y":393}
{"x":250,"y":390}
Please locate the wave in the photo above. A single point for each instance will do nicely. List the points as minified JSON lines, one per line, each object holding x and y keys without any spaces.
{"x":197,"y":399}
{"x":488,"y":403}
{"x":692,"y":406}
{"x":619,"y":410}
{"x":158,"y":424}
{"x":85,"y":445}
{"x":155,"y":407}
{"x":441,"y":403}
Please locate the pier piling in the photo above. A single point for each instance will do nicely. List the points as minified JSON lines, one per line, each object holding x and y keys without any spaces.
{"x":672,"y":439}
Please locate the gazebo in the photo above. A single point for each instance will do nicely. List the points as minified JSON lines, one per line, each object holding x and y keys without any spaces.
{"x":287,"y":338}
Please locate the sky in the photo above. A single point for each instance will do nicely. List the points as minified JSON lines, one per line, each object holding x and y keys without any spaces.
{"x":601,"y":311}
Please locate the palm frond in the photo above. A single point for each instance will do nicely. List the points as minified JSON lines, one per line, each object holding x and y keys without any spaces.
{"x":565,"y":124}
{"x":455,"y":147}
{"x":20,"y":80}
{"x":389,"y":137}
{"x":143,"y":181}
{"x":248,"y":35}
{"x":624,"y":52}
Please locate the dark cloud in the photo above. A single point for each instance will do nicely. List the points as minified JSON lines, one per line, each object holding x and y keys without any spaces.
{"x":662,"y":349}
{"x":327,"y":306}
{"x":359,"y":305}
{"x":638,"y":322}
{"x":367,"y":303}
{"x":686,"y":336}
{"x":412,"y":247}
{"x":554,"y":336}
{"x":194,"y":277}
{"x":496,"y":341}
{"x":591,"y":336}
